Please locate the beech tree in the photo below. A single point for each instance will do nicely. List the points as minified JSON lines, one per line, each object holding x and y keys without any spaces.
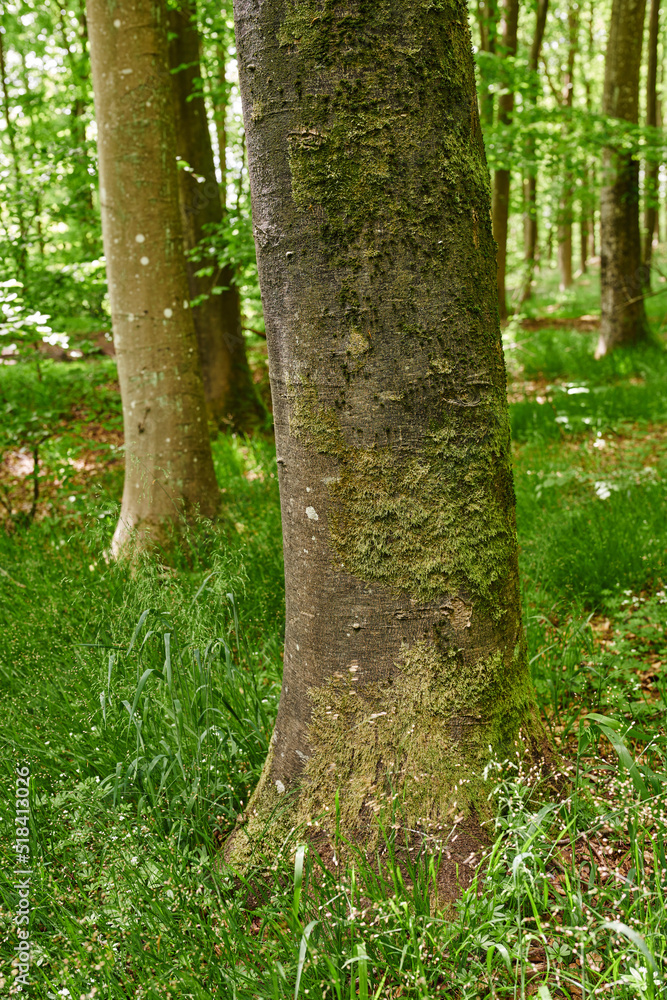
{"x":622,"y":318}
{"x":168,"y":464}
{"x":405,"y":663}
{"x":230,"y":393}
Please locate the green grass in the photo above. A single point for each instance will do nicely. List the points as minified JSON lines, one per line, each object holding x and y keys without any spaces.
{"x":144,"y":703}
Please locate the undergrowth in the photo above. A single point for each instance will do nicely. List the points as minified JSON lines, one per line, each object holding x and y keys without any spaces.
{"x":143,"y":704}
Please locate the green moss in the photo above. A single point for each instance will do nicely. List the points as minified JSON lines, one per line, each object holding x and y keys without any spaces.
{"x":417,"y":746}
{"x":375,"y":165}
{"x":432,"y":522}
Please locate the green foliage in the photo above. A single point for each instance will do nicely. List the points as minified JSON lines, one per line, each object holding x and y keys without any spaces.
{"x":49,"y":215}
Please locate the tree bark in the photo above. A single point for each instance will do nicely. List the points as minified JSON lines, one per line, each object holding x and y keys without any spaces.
{"x":502,"y":177}
{"x":230,"y":393}
{"x":623,"y":318}
{"x":530,"y":180}
{"x":168,"y":464}
{"x":652,"y":169}
{"x":404,"y":652}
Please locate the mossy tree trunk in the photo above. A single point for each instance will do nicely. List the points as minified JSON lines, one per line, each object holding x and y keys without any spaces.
{"x":404,"y":652}
{"x":652,"y":169}
{"x":502,"y":177}
{"x":623,"y":318}
{"x":168,"y":464}
{"x":231,"y":398}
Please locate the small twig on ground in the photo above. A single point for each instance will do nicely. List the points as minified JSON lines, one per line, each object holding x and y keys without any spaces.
{"x":11,"y":578}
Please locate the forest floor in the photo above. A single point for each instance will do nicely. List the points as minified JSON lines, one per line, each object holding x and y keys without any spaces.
{"x":143,"y":704}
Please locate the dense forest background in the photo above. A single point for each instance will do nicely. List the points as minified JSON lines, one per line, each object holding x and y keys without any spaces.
{"x":541,"y":100}
{"x":144,"y":696}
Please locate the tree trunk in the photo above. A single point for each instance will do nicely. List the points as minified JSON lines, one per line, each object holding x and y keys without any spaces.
{"x":405,"y":660}
{"x":168,"y":463}
{"x":566,"y":214}
{"x":20,"y":247}
{"x":584,"y":236}
{"x":487,"y":19}
{"x":220,"y":106}
{"x":652,"y":169}
{"x":623,"y":318}
{"x":501,"y":179}
{"x":565,"y":241}
{"x":588,"y":195}
{"x":586,"y":219}
{"x":230,"y":392}
{"x":530,"y":181}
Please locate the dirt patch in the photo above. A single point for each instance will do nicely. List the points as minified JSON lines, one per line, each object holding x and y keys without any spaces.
{"x":584,"y":324}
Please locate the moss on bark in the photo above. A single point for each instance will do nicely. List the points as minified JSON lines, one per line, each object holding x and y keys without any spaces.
{"x":433,"y":524}
{"x":404,"y":654}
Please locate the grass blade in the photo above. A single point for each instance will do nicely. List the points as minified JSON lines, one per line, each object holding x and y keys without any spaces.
{"x":298,"y":879}
{"x":303,"y":948}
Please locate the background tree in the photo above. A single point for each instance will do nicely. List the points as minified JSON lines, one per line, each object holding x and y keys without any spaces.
{"x":50,"y":236}
{"x":502,"y":174}
{"x":566,"y":206}
{"x":169,"y":468}
{"x":531,"y":166}
{"x":403,"y":621}
{"x":623,"y":319}
{"x":19,"y":199}
{"x":230,"y":393}
{"x":652,"y":167}
{"x":487,"y":20}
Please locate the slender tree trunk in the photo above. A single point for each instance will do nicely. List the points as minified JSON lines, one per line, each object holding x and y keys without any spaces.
{"x":220,"y":106}
{"x":168,"y":464}
{"x":405,"y":663}
{"x":567,"y":192}
{"x":501,"y":179}
{"x":79,"y":183}
{"x":588,"y":190}
{"x":565,"y":241}
{"x":623,"y":318}
{"x":660,"y":125}
{"x":487,"y":19}
{"x":584,"y":237}
{"x":530,"y":181}
{"x":21,"y":250}
{"x":230,"y":392}
{"x":652,"y":168}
